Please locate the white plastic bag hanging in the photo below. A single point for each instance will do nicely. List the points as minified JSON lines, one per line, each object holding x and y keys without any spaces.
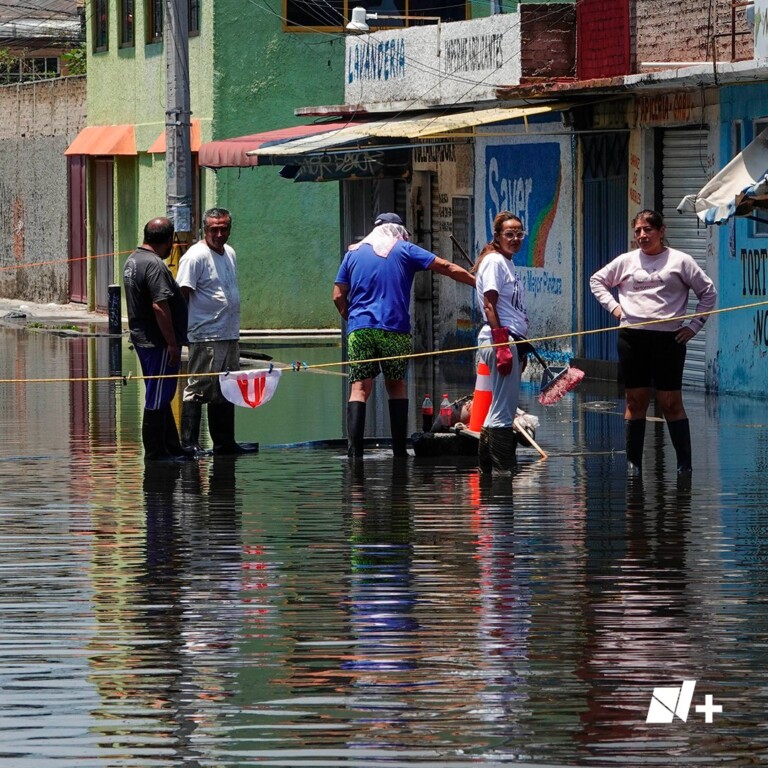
{"x":249,"y":389}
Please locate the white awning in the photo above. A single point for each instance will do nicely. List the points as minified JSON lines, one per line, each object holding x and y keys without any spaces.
{"x":736,"y":190}
{"x":433,"y":125}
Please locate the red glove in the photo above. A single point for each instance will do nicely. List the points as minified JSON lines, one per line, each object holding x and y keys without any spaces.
{"x":503,"y":354}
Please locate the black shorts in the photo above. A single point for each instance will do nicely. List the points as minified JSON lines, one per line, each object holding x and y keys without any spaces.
{"x":651,"y":356}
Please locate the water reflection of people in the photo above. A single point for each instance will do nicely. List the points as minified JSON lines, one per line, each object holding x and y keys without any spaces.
{"x":173,"y":619}
{"x":637,"y":618}
{"x":381,"y":593}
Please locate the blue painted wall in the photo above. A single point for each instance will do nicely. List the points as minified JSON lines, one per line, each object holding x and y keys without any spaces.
{"x":742,"y":359}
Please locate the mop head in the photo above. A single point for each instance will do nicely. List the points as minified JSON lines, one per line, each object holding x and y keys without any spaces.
{"x":559,"y":386}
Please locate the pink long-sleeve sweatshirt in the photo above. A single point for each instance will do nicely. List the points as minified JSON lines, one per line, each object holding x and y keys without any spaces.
{"x":654,"y":288}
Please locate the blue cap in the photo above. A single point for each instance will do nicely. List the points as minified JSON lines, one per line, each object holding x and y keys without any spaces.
{"x":388,"y":218}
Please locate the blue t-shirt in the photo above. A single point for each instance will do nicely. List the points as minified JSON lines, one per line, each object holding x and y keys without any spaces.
{"x":380,"y":287}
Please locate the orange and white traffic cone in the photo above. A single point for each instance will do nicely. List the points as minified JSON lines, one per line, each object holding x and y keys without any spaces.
{"x":481,"y":400}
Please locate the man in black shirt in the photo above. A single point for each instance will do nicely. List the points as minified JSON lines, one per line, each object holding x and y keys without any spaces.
{"x":157,"y":319}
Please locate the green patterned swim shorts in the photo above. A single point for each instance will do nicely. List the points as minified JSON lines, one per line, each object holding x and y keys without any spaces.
{"x":372,"y":343}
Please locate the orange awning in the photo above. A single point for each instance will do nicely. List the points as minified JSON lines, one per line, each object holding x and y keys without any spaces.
{"x":158,"y":146}
{"x":104,"y":140}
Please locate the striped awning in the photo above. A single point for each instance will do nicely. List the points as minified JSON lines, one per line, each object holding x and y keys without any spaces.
{"x":737,"y":190}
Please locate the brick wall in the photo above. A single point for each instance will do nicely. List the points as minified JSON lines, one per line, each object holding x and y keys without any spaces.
{"x":37,"y":123}
{"x":548,"y":35}
{"x":603,"y":38}
{"x":683,"y":30}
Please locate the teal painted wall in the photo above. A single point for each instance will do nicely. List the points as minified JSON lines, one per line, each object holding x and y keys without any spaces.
{"x":246,"y":76}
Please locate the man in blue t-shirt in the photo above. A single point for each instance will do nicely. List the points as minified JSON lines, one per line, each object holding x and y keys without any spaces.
{"x":372,"y":292}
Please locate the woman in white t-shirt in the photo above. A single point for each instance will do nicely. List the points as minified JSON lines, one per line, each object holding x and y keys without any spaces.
{"x":653,"y":285}
{"x":502,"y":297}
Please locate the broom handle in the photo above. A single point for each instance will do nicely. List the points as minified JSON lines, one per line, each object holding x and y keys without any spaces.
{"x":463,"y":252}
{"x":530,"y":439}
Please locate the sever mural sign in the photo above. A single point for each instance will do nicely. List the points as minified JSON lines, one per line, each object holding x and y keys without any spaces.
{"x":525,"y":180}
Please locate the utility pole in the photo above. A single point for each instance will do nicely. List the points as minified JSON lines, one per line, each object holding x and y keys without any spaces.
{"x":178,"y":152}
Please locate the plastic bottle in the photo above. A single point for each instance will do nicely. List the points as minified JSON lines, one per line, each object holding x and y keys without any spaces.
{"x":427,"y":413}
{"x":445,"y":411}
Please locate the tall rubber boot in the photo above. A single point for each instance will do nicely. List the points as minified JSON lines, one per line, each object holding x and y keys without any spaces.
{"x":484,"y":453}
{"x":221,"y":425}
{"x":153,"y":436}
{"x":634,"y":430}
{"x":355,"y":428}
{"x":171,"y":436}
{"x":398,"y":426}
{"x":502,"y":443}
{"x":680,"y":432}
{"x":191,"y":416}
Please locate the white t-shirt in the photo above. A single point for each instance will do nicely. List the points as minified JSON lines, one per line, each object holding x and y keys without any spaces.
{"x":214,"y":304}
{"x":654,"y":287}
{"x":497,"y":273}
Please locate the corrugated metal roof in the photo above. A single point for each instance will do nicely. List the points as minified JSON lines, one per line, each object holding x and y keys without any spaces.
{"x":431,"y":125}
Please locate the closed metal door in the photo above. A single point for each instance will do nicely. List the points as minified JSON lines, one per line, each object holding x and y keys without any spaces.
{"x":684,"y":168}
{"x":605,"y":226}
{"x":104,"y":230}
{"x":76,"y":168}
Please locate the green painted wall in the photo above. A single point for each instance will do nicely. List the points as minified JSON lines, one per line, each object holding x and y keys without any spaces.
{"x":246,"y":76}
{"x":286,"y":234}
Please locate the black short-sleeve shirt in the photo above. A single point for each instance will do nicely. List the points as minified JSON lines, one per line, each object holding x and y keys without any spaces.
{"x":147,"y":279}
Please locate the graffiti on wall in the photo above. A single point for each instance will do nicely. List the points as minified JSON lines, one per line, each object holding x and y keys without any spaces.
{"x":526,"y":180}
{"x":383,"y":60}
{"x":474,"y":53}
{"x":754,"y":282}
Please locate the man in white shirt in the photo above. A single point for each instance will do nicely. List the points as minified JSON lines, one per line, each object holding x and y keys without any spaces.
{"x":208,"y":279}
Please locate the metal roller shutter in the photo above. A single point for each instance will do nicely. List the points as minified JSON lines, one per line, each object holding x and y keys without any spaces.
{"x":684,"y":168}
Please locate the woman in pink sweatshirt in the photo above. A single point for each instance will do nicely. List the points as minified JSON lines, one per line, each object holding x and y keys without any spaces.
{"x":653,"y":284}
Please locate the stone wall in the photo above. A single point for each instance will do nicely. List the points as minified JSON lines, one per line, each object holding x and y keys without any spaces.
{"x":37,"y":123}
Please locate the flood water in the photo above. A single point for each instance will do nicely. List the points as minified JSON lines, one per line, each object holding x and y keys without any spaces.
{"x":291,"y":609}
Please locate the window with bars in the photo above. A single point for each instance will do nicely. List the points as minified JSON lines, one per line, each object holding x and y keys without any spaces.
{"x":127,"y":35}
{"x":154,"y":20}
{"x":194,"y":17}
{"x":310,"y":15}
{"x":100,"y":25}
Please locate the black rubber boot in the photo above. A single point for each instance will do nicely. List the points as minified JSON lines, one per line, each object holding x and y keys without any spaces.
{"x":355,"y":428}
{"x":484,"y":453}
{"x":398,"y":426}
{"x":502,"y":444}
{"x":635,"y":439}
{"x":191,"y":416}
{"x":221,"y":425}
{"x":171,"y":435}
{"x":680,"y":432}
{"x":153,"y":436}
